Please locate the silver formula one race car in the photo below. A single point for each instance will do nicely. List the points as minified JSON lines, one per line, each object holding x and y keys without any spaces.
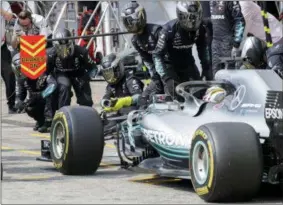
{"x":227,"y":150}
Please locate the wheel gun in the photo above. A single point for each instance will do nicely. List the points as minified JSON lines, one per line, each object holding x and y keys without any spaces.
{"x":109,"y":103}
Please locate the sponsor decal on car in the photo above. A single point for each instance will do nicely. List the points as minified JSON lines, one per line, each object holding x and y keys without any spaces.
{"x":238,"y":97}
{"x":249,"y":108}
{"x":274,"y":113}
{"x":249,"y":105}
{"x":166,"y":139}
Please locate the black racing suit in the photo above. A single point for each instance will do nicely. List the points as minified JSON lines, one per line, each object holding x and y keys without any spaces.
{"x":173,"y":56}
{"x":228,"y":30}
{"x":145,"y":44}
{"x":275,"y":57}
{"x":73,"y":71}
{"x":20,"y":90}
{"x":207,"y":22}
{"x":8,"y":76}
{"x":41,"y":110}
{"x":128,"y":86}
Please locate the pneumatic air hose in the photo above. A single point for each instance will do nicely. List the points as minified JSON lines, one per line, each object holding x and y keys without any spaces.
{"x":266,"y":24}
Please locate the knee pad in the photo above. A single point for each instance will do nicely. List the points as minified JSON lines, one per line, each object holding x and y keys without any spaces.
{"x":63,"y":81}
{"x":64,"y":90}
{"x":64,"y":84}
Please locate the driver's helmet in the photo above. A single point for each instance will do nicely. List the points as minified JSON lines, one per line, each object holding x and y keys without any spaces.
{"x":113,"y":69}
{"x":134,"y":17}
{"x":189,"y":14}
{"x":215,"y":94}
{"x":64,"y":48}
{"x":253,"y":53}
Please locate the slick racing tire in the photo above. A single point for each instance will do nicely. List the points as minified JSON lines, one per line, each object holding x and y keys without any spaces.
{"x":77,"y":140}
{"x":226,"y":162}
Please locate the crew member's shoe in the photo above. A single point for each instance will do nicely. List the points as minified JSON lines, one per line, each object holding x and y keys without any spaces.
{"x":38,"y":125}
{"x":45,"y":128}
{"x":12,"y":110}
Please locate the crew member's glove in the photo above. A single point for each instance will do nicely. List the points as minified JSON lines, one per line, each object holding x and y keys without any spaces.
{"x":207,"y":74}
{"x":92,"y":73}
{"x":120,"y":103}
{"x":20,"y":106}
{"x":48,"y":90}
{"x":41,"y":82}
{"x":235,"y":52}
{"x":169,"y":86}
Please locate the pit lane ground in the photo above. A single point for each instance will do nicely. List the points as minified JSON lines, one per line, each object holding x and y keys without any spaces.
{"x":28,"y":181}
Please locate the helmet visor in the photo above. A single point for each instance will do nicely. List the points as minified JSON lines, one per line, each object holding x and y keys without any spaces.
{"x":189,"y":20}
{"x":109,"y":75}
{"x":248,"y":63}
{"x":133,"y":22}
{"x":64,"y":50}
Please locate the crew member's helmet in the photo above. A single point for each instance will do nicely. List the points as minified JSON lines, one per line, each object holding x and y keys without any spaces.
{"x":64,"y":48}
{"x":113,"y":69}
{"x":253,"y":53}
{"x":16,"y":66}
{"x":189,"y":14}
{"x":134,"y":17}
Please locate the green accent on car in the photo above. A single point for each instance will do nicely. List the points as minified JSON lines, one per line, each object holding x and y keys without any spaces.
{"x":170,"y":152}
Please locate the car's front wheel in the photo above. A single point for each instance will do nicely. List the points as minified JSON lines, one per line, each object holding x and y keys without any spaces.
{"x":77,"y":140}
{"x":226,"y":162}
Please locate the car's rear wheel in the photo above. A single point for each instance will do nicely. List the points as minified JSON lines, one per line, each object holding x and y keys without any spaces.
{"x":226,"y":162}
{"x":77,"y":140}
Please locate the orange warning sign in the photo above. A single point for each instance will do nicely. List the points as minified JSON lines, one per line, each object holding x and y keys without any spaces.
{"x":33,"y":55}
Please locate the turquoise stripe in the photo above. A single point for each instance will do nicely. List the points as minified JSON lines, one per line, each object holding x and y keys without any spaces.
{"x":178,"y":154}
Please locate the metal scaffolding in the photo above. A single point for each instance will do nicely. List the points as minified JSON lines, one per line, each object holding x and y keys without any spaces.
{"x":109,"y":22}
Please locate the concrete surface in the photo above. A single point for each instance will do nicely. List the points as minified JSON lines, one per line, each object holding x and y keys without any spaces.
{"x":28,"y":181}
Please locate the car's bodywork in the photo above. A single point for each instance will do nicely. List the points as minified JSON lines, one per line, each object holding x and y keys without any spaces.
{"x":169,"y":126}
{"x":160,"y":137}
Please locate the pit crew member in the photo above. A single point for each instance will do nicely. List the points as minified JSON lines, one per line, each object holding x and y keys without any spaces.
{"x":123,"y":89}
{"x":228,"y":30}
{"x":144,"y":41}
{"x":254,"y":23}
{"x":6,"y":71}
{"x":254,"y":54}
{"x":39,"y":104}
{"x":207,"y":22}
{"x":173,"y":56}
{"x":72,"y":66}
{"x":27,"y":24}
{"x":275,"y":57}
